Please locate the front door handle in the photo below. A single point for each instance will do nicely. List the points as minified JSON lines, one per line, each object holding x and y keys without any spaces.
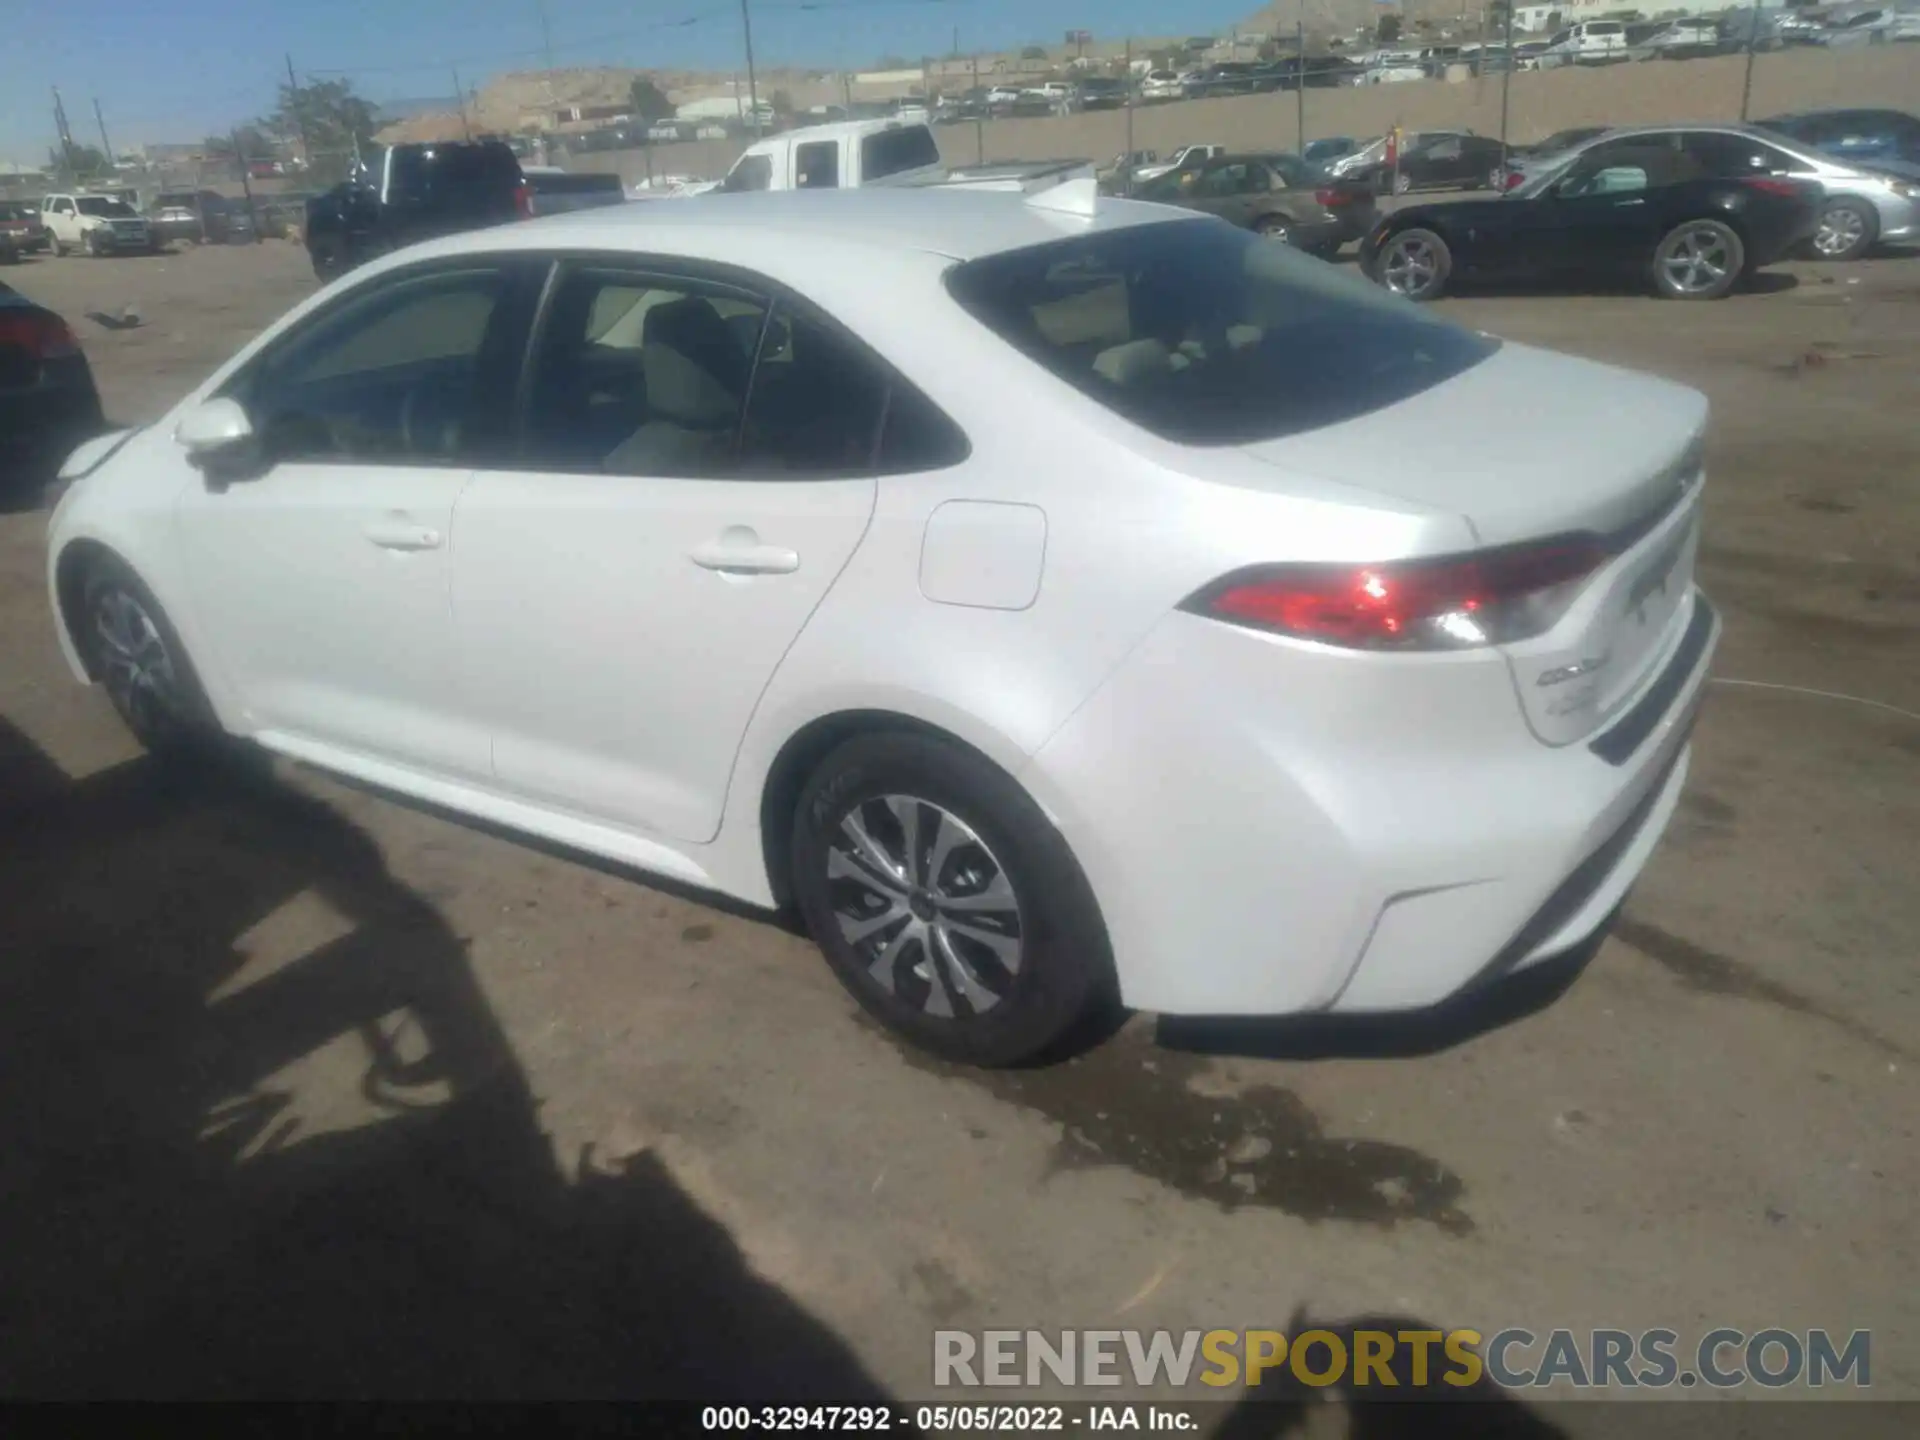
{"x":396,"y":532}
{"x":731,"y":557}
{"x":1622,"y":204}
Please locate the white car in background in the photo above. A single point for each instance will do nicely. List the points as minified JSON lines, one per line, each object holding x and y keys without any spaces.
{"x":1050,"y":597}
{"x":1162,"y":85}
{"x":1591,"y":42}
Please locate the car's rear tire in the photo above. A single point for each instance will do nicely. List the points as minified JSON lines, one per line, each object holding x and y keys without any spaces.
{"x":946,"y":901}
{"x":137,"y":656}
{"x":1698,"y":260}
{"x":1402,"y":183}
{"x":1414,"y":263}
{"x":1847,"y":230}
{"x":1274,"y":227}
{"x":59,"y":249}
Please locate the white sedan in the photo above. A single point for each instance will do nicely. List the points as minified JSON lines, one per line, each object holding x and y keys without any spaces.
{"x":1053,"y":599}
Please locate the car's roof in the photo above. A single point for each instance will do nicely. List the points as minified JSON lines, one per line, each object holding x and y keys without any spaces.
{"x":961,"y":224}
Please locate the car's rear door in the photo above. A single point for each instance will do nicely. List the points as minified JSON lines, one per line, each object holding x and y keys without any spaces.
{"x":625,"y":591}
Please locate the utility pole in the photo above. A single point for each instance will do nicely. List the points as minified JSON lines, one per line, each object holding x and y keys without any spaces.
{"x":1300,"y":84}
{"x":66,"y":135}
{"x":546,"y":43}
{"x":461,"y":96}
{"x":753,"y":85}
{"x":106,"y":145}
{"x":979,"y":116}
{"x":1126,"y":165}
{"x":299,"y":114}
{"x":1506,"y":86}
{"x":246,"y":186}
{"x":1746,"y":85}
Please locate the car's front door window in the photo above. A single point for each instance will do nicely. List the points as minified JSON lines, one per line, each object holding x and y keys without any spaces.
{"x":413,"y":372}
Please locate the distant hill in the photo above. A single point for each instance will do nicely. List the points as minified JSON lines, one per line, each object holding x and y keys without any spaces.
{"x":1343,"y":17}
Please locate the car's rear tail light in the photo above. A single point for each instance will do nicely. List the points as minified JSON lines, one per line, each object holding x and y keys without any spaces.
{"x":1514,"y":180}
{"x":45,"y":337}
{"x":1453,"y":603}
{"x":523,"y":200}
{"x":1329,"y":196}
{"x":1773,"y":185}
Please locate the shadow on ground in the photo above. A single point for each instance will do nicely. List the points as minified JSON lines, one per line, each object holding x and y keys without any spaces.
{"x":176,"y":1231}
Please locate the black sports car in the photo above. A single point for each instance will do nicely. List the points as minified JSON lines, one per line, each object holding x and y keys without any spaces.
{"x":48,"y":403}
{"x":1647,"y":207}
{"x":1442,"y":162}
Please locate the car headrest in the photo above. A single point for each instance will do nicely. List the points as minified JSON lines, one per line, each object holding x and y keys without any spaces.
{"x":694,"y":328}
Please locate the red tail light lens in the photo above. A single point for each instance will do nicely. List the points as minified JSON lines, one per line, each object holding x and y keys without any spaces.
{"x":523,"y":200}
{"x":1455,"y":603}
{"x":1772,"y":185}
{"x":1514,"y":180}
{"x":1330,"y":197}
{"x":44,"y":337}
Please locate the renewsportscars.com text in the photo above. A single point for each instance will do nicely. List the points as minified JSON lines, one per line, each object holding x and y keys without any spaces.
{"x":1513,"y":1358}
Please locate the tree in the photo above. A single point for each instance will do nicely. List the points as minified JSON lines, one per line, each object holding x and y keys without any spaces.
{"x":1034,"y":52}
{"x":782,"y":102}
{"x":327,"y":120}
{"x":87,"y":160}
{"x":1387,"y":30}
{"x":649,"y":101}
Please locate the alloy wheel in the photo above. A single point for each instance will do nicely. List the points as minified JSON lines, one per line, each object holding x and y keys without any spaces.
{"x":1410,"y":266}
{"x":1696,"y":260}
{"x":1841,"y":228}
{"x":138,"y":672}
{"x":926,"y":906}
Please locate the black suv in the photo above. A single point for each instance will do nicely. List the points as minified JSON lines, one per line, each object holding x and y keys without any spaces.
{"x":405,"y":193}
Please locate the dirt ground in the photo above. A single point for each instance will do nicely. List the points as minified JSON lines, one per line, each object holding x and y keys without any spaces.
{"x":307,"y":1093}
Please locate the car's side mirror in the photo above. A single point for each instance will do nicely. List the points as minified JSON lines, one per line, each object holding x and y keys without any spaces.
{"x":219,"y":440}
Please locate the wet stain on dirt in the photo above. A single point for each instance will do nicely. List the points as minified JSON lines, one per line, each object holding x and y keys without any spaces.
{"x":947,"y":1298}
{"x":1133,"y":1104}
{"x":1711,"y":973}
{"x":697,"y":934}
{"x":1821,"y":505}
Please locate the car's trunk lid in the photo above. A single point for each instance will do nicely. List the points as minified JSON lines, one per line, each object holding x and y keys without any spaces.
{"x":1527,"y":446}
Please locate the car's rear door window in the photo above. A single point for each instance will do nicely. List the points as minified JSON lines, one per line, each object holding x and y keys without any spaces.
{"x":1208,"y":335}
{"x":890,"y":152}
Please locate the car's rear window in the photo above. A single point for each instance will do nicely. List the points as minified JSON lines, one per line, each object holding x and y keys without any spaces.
{"x":1210,"y":335}
{"x":890,"y":152}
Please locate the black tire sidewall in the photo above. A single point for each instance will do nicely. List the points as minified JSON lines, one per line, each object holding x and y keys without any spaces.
{"x":193,"y":732}
{"x":1274,"y":227}
{"x":1066,"y":965}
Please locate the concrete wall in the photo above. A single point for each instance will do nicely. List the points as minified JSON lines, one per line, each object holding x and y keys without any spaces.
{"x":1541,"y":102}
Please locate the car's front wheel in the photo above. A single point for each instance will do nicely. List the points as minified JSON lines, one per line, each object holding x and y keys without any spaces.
{"x":1698,"y":260}
{"x":139,"y":660}
{"x":1414,"y":263}
{"x":946,"y":901}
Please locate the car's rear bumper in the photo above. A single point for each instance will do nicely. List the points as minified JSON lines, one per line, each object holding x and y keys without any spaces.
{"x":1275,"y":828}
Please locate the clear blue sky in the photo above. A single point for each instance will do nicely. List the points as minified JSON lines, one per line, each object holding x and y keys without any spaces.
{"x":180,"y":69}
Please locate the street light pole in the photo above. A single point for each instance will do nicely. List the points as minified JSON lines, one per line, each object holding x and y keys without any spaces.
{"x":753,"y":86}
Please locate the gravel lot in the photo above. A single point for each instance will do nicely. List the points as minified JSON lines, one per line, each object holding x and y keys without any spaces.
{"x":309,"y":1093}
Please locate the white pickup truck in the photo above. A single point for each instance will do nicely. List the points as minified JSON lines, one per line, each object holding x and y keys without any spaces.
{"x":856,"y":153}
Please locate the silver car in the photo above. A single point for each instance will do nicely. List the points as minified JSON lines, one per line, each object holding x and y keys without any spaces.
{"x":1864,"y":206}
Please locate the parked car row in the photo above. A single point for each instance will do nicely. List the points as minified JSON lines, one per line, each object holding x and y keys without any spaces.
{"x":1691,"y":210}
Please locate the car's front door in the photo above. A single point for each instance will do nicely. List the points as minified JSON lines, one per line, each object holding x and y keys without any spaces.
{"x":625,"y":593}
{"x":321,"y":569}
{"x":1438,"y":163}
{"x":1602,"y":215}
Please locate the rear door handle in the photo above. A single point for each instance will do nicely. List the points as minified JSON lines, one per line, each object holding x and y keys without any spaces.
{"x":1622,"y":204}
{"x":396,"y":532}
{"x":733,"y":558}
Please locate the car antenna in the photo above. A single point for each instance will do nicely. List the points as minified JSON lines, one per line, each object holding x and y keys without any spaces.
{"x":1070,"y":197}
